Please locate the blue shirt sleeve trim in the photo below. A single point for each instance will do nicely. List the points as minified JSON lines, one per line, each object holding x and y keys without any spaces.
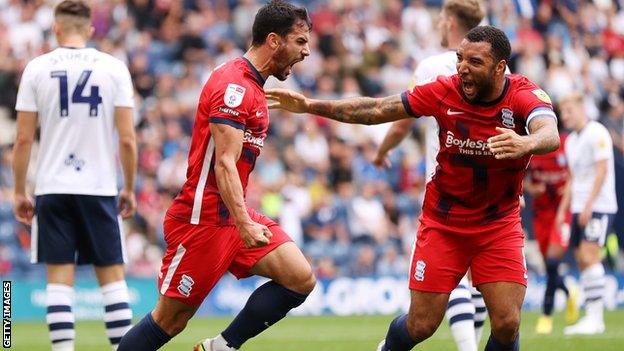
{"x":229,"y":122}
{"x":406,"y":104}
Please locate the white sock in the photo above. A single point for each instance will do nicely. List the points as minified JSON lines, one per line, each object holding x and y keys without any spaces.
{"x":480,"y":312}
{"x":218,"y":344}
{"x":117,"y":312}
{"x":460,"y":314}
{"x":60,"y":318}
{"x":593,"y":282}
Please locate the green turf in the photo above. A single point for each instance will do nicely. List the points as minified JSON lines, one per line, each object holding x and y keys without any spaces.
{"x":330,"y":333}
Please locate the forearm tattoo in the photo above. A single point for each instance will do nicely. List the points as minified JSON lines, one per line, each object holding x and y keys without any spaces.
{"x":362,"y":110}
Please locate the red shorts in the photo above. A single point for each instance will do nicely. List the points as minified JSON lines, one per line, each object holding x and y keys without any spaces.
{"x":443,"y":254}
{"x":547,"y":233}
{"x":197,"y":256}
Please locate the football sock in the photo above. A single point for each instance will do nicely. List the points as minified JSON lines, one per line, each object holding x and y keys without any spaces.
{"x":398,"y":338}
{"x":60,"y":318}
{"x":265,"y":307}
{"x":495,"y":345}
{"x":144,"y":336}
{"x":553,"y":278}
{"x":117,"y":312}
{"x":460,"y":314}
{"x":480,"y":313}
{"x":593,"y":282}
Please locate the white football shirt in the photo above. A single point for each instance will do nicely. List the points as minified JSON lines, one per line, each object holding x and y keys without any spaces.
{"x":75,"y":92}
{"x":583,"y":150}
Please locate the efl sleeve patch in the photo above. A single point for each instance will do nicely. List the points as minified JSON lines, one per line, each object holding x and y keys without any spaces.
{"x":234,"y":94}
{"x":542,"y":96}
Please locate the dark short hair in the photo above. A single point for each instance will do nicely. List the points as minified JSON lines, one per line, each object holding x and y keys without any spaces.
{"x":500,"y":47}
{"x":278,"y":17}
{"x":76,"y":8}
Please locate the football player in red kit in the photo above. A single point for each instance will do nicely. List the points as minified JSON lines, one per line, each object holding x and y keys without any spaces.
{"x":546,"y":180}
{"x":209,"y":230}
{"x":490,"y":125}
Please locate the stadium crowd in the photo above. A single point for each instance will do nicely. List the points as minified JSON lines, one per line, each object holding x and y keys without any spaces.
{"x":315,"y":176}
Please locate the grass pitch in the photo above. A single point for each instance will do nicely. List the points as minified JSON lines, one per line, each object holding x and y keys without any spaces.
{"x":331,"y":333}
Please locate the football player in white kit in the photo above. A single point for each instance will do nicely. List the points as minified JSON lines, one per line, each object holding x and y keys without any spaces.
{"x":466,"y":311}
{"x":77,"y":96}
{"x":590,"y":194}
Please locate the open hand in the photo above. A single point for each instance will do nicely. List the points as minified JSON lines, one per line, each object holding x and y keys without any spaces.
{"x":287,"y":100}
{"x":508,"y":145}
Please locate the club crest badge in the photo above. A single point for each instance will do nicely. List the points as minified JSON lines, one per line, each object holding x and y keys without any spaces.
{"x":508,"y":120}
{"x":234,"y":94}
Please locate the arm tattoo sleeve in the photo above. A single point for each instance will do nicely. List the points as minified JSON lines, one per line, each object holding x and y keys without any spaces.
{"x":363,"y":110}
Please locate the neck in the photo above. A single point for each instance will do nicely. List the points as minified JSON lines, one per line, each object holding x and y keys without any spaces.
{"x":72,"y":40}
{"x":454,"y":39}
{"x":499,"y":87}
{"x":581,"y":125}
{"x":261,"y":59}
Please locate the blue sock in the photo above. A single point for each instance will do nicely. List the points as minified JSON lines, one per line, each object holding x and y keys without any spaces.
{"x":552,"y":271}
{"x":398,"y":339}
{"x":265,"y":307}
{"x":144,"y":336}
{"x":495,"y":345}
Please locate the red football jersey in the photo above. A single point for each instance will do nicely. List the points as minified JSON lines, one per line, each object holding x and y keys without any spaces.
{"x":552,"y":171}
{"x":233,"y":95}
{"x":470,"y":186}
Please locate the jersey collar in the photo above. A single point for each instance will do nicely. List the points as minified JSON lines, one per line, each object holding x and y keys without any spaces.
{"x":259,"y":78}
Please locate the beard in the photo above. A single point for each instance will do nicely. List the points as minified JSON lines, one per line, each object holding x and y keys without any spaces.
{"x":282,"y":64}
{"x":484,"y":89}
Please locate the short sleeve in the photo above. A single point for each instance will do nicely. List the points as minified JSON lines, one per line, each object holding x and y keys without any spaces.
{"x":26,"y":94}
{"x":534,"y":102}
{"x":124,"y":96}
{"x":423,"y":100}
{"x":228,"y":101}
{"x":602,"y":144}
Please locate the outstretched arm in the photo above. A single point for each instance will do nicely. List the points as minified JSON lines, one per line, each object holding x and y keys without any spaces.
{"x":361,"y":110}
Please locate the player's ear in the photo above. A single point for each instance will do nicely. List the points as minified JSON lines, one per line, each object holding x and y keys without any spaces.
{"x":273,"y":41}
{"x":90,"y":32}
{"x":500,"y":67}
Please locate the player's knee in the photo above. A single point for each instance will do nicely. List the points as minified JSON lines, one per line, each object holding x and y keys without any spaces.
{"x":172,"y":326}
{"x":305,"y":283}
{"x":505,"y":326}
{"x":421,"y":329}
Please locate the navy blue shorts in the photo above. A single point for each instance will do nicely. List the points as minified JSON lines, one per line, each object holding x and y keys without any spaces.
{"x":595,"y":231}
{"x":80,"y":229}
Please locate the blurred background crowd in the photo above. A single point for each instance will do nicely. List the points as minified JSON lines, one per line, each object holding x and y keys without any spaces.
{"x":315,"y":176}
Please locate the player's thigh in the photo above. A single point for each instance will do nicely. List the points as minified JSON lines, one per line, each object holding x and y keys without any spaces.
{"x":101,"y":239}
{"x":195,"y":259}
{"x":500,"y":256}
{"x":54,"y":232}
{"x":281,"y":260}
{"x":543,"y":227}
{"x":439,"y":260}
